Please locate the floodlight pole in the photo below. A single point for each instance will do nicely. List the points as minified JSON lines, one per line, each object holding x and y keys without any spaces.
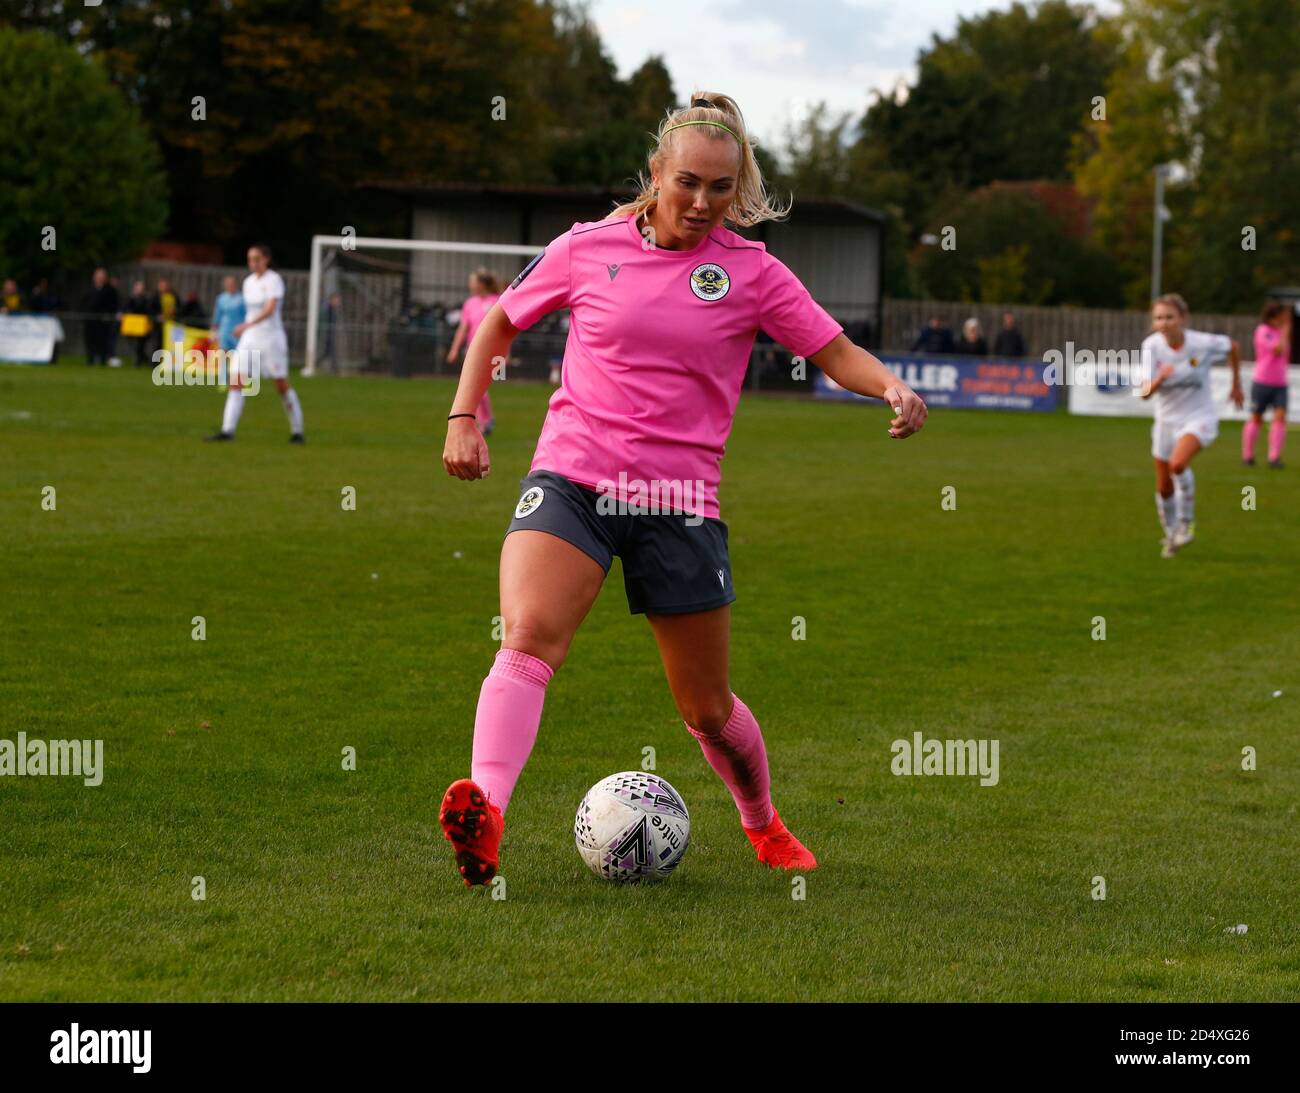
{"x":1158,"y":229}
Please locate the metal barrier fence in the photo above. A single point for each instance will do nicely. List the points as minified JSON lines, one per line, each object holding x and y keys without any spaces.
{"x":375,"y":327}
{"x":1045,"y":328}
{"x":415,"y":346}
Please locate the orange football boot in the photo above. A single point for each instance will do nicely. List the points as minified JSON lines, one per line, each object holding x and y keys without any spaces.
{"x":473,"y":825}
{"x":778,"y":848}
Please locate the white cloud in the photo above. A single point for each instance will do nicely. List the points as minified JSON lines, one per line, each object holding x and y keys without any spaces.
{"x":769,"y":54}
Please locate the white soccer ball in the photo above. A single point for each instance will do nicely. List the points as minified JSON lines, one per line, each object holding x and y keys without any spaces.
{"x":632,"y":827}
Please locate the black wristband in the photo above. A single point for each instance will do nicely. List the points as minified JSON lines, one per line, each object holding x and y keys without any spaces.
{"x":450,"y":416}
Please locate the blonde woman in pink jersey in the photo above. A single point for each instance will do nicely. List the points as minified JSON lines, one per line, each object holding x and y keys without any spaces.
{"x":484,"y":291}
{"x":664,"y":303}
{"x":1268,"y":384}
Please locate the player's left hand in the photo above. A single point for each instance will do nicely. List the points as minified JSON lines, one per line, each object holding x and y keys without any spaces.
{"x":1238,"y":397}
{"x":909,"y":410}
{"x":240,"y":329}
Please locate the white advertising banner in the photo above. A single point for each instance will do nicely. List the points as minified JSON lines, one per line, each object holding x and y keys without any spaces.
{"x":1087,"y":396}
{"x":29,"y":339}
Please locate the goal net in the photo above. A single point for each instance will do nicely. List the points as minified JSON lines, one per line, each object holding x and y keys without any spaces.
{"x":393,"y":305}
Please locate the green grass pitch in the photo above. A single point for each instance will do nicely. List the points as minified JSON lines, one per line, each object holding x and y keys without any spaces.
{"x":372,"y":629}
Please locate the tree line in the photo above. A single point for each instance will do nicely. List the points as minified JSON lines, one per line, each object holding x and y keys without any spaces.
{"x":1015,"y":168}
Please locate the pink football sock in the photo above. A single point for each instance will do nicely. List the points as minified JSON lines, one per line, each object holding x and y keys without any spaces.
{"x":1248,"y":435}
{"x":483,"y":413}
{"x":740,"y":760}
{"x":505,"y":727}
{"x":1276,"y":438}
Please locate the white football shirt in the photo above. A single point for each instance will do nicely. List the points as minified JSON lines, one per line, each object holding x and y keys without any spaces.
{"x":1187,"y":394}
{"x":258,"y":289}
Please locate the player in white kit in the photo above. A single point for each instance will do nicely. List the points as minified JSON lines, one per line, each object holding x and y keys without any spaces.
{"x":1176,"y":369}
{"x":263,"y":345}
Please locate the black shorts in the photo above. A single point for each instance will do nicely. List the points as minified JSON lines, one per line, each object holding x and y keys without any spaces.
{"x":1264,"y":395}
{"x":673,"y":563}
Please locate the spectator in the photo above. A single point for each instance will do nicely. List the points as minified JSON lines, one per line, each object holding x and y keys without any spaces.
{"x":136,"y":326}
{"x":114,"y":361}
{"x":10,"y":299}
{"x":191,"y":311}
{"x":164,"y":302}
{"x":44,"y":301}
{"x":934,"y":338}
{"x":333,"y":309}
{"x":100,"y":305}
{"x":228,"y":313}
{"x":972,"y":342}
{"x":162,"y":307}
{"x":1009,"y":342}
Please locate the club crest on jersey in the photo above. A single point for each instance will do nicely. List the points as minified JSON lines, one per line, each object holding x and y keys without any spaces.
{"x":710,"y":282}
{"x":1191,"y":361}
{"x":528,"y":503}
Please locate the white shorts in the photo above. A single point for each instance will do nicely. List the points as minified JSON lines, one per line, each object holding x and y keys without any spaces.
{"x":271,"y":358}
{"x":1165,"y":434}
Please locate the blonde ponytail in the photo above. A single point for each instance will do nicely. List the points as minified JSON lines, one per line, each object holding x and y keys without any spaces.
{"x":751,"y":204}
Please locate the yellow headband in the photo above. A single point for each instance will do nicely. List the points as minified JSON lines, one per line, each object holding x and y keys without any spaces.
{"x":717,"y":123}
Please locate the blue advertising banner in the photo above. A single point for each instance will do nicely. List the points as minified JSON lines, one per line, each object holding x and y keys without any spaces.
{"x":970,"y":382}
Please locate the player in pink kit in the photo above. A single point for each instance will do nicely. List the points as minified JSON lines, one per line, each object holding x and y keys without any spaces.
{"x":485,"y":290}
{"x":1268,"y":387}
{"x":664,"y":305}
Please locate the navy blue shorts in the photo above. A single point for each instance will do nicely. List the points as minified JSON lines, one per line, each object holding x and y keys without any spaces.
{"x":1264,"y":395}
{"x":673,"y":563}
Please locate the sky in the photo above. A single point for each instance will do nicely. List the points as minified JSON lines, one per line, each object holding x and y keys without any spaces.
{"x":778,"y":57}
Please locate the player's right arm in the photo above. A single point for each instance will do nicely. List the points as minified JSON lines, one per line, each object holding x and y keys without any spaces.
{"x":465,"y":454}
{"x":1149,"y":389}
{"x":1151,"y":379}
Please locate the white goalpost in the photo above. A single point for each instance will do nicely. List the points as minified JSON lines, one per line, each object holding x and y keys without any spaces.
{"x":324,"y":245}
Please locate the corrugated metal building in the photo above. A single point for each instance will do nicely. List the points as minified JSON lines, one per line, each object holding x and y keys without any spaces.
{"x":835,"y":247}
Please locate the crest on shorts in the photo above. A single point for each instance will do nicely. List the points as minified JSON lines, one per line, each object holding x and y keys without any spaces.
{"x":710,"y":281}
{"x":528,"y":503}
{"x":1191,"y":361}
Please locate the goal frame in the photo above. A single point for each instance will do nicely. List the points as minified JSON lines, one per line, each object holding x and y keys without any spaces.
{"x":353,"y":242}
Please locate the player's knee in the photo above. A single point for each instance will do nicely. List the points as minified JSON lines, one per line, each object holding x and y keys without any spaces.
{"x":1177,"y":466}
{"x":707,"y":715}
{"x":538,"y":639}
